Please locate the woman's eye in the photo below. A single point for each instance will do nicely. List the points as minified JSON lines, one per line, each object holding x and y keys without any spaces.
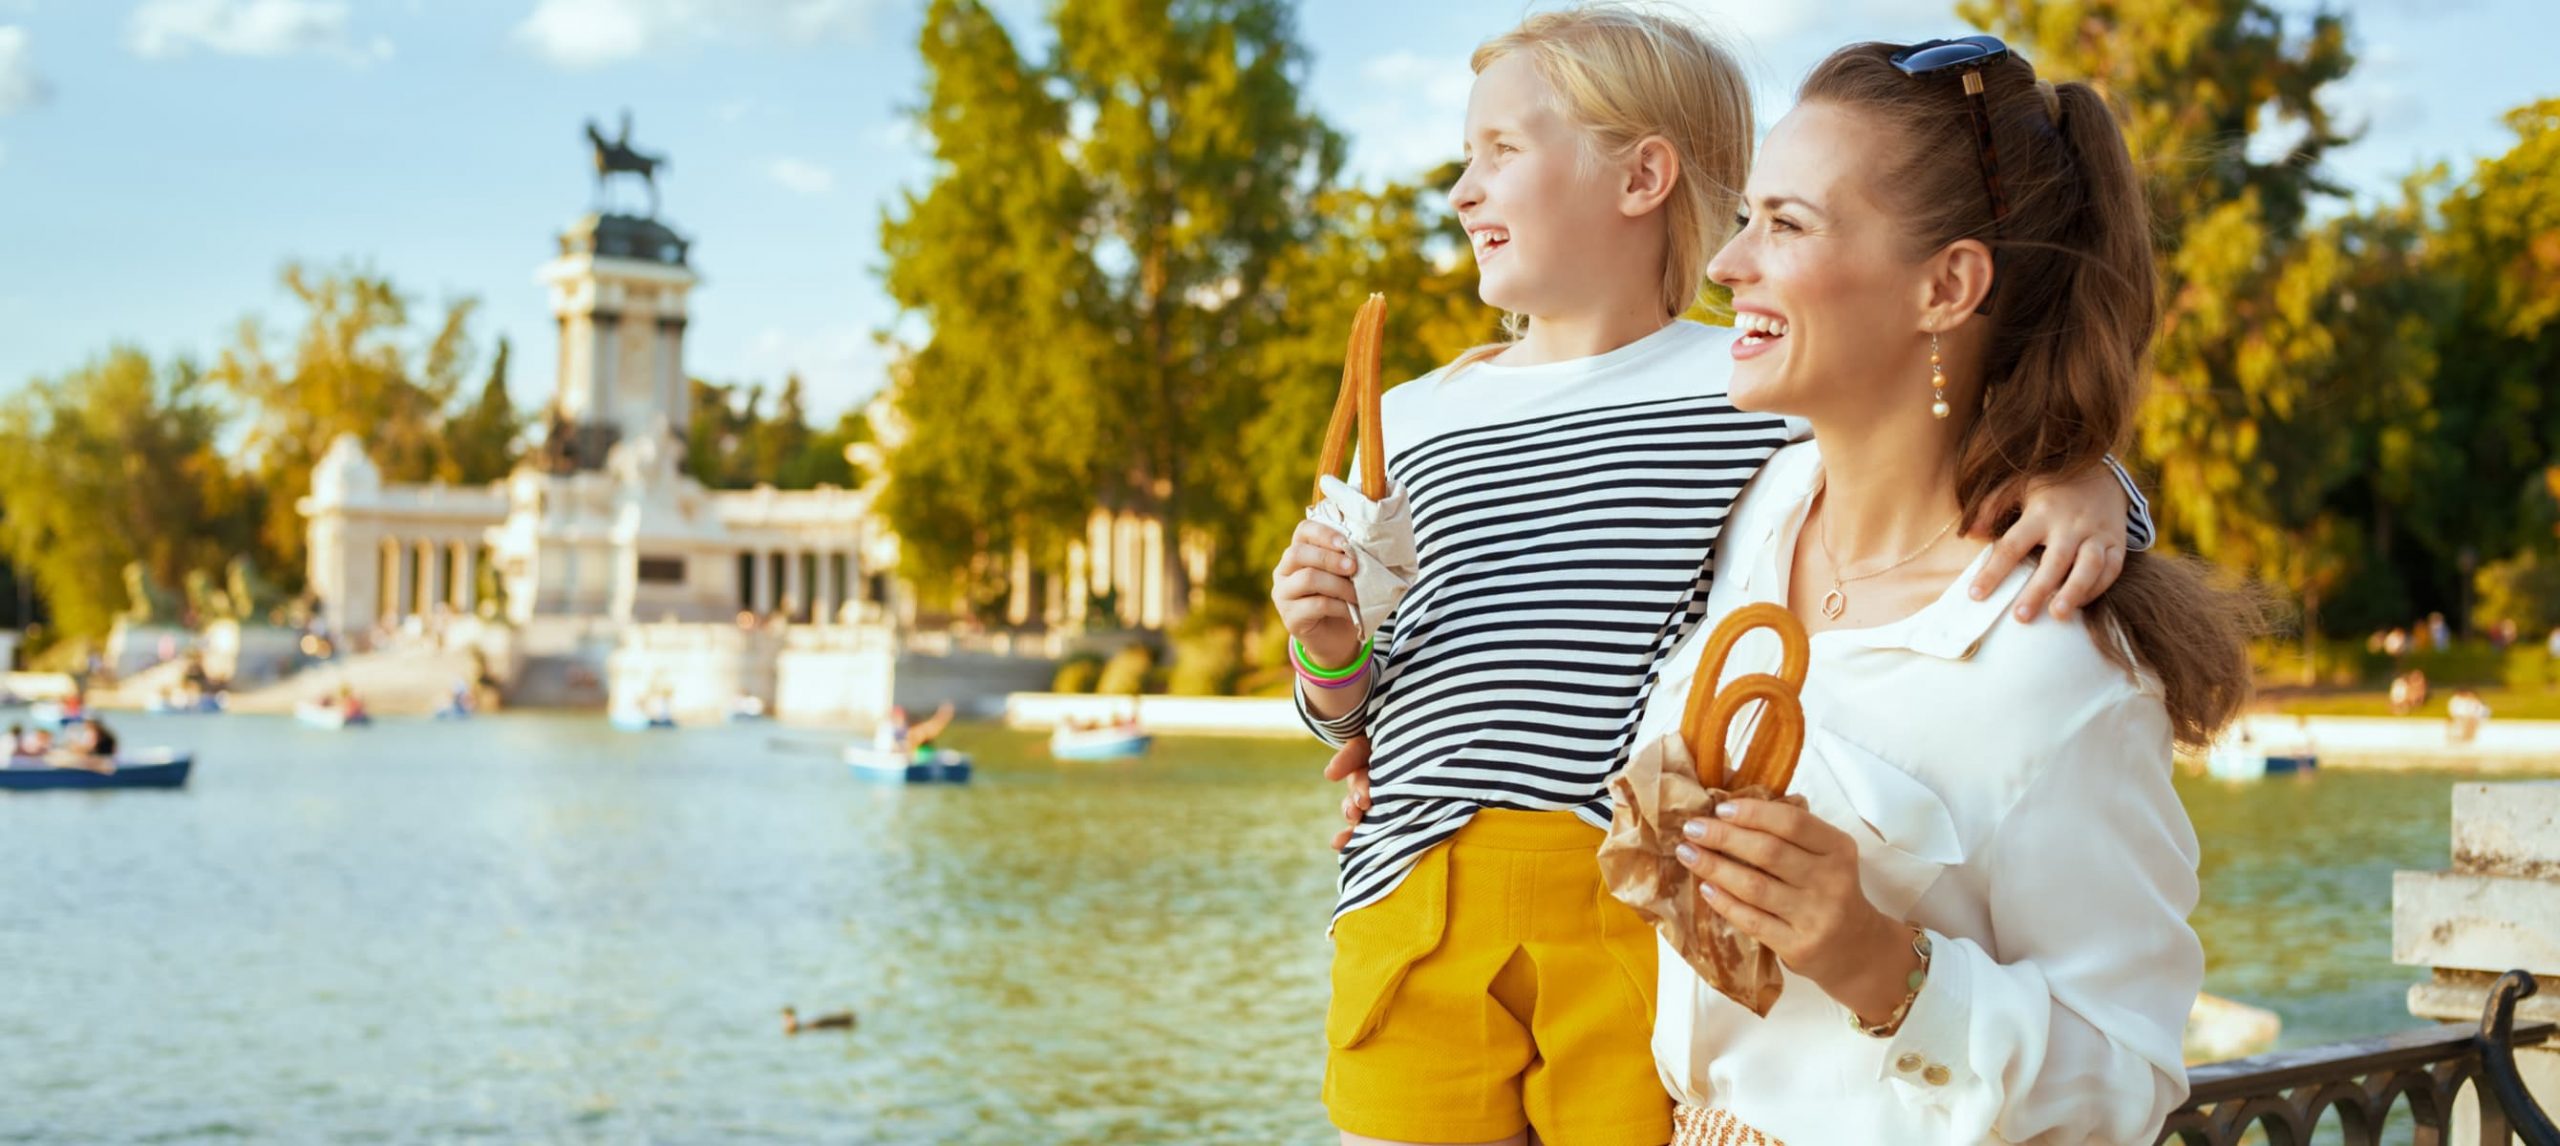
{"x":1781,"y":223}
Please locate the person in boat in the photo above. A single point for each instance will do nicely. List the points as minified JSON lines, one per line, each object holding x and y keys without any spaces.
{"x":18,"y":740}
{"x":896,"y":735}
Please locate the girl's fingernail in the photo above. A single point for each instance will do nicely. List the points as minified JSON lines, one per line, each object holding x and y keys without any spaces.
{"x":1979,"y":592}
{"x":1727,"y":811}
{"x":1694,"y":830}
{"x":1688,"y":855}
{"x":1706,"y":891}
{"x":1346,"y":565}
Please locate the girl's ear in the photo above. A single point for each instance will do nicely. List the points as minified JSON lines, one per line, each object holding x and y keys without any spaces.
{"x":1652,"y":170}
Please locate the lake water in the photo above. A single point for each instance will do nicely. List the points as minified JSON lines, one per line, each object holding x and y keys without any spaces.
{"x":532,"y":927}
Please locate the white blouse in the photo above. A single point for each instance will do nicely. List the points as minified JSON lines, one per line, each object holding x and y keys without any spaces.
{"x":2009,"y":789}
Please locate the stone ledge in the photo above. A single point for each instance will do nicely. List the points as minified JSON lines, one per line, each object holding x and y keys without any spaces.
{"x":2510,"y":829}
{"x":2475,"y":922}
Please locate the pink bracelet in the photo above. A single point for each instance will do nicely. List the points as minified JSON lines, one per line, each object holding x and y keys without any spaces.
{"x":1320,"y":682}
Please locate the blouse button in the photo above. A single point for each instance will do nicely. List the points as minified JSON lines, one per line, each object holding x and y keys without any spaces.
{"x":1907,"y":1063}
{"x":1936,"y":1075}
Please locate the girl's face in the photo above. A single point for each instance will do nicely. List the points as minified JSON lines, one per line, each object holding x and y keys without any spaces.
{"x":1827,"y":300}
{"x":1543,"y":216}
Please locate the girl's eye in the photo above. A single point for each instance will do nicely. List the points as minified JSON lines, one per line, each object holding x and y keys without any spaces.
{"x":1504,"y":148}
{"x":1742,"y":220}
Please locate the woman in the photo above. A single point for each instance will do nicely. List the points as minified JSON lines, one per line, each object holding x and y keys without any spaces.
{"x":1981,"y":904}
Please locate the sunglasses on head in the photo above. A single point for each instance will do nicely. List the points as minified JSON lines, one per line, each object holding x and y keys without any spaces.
{"x":1967,"y":55}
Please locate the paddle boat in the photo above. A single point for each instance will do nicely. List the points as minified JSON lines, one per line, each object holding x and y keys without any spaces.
{"x":2241,"y":758}
{"x":198,"y":705}
{"x":331,"y":716}
{"x":1111,"y":742}
{"x":141,"y":768}
{"x":632,"y":721}
{"x":927,"y":765}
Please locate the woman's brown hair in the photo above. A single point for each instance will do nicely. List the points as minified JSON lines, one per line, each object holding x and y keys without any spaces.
{"x":2074,"y":303}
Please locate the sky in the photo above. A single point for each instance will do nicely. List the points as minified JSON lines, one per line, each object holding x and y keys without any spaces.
{"x":161,"y":160}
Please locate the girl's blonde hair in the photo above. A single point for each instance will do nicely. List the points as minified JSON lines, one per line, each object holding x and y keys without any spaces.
{"x":1625,"y":73}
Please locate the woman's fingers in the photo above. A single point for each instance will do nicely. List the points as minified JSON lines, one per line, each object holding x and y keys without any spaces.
{"x":1768,"y":853}
{"x":1752,"y":921}
{"x":1349,"y":760}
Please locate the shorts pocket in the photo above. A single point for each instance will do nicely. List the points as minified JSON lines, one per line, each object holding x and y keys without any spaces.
{"x":1374,"y":948}
{"x":1633,"y":947}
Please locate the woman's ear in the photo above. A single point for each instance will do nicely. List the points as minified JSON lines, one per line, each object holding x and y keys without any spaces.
{"x":1652,"y":170}
{"x":1959,"y":282}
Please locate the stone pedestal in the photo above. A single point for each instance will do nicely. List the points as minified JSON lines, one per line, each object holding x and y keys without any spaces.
{"x":2497,"y":910}
{"x":132,"y":648}
{"x":250,"y":655}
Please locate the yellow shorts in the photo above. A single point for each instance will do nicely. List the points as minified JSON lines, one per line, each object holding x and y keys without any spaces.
{"x":1498,"y":987}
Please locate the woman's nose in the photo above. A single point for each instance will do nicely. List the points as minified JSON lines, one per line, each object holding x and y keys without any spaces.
{"x":1732,"y":263}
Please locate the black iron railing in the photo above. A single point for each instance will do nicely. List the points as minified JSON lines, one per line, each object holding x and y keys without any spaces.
{"x":2287,"y":1093}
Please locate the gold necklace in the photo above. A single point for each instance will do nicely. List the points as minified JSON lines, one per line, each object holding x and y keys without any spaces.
{"x":1836,"y":601}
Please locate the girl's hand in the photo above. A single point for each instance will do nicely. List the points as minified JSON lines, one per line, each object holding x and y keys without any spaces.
{"x":1312,"y":589}
{"x":2080,"y":525}
{"x":1785,"y":877}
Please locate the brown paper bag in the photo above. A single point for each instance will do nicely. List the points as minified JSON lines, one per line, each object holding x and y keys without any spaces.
{"x":1676,"y":778}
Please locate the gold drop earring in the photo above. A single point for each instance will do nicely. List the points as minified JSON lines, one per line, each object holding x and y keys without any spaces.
{"x":1937,"y":381}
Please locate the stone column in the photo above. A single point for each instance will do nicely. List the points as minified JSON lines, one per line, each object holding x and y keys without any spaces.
{"x":395,"y":597}
{"x":430,"y":577}
{"x":2497,"y":910}
{"x":795,"y":591}
{"x":764,"y":582}
{"x":466,"y":576}
{"x":830,"y":588}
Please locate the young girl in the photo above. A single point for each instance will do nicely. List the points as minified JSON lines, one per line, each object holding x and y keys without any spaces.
{"x":1565,"y":489}
{"x":1982,"y":910}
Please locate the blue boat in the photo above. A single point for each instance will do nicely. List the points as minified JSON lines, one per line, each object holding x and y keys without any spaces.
{"x":640,"y":721}
{"x":897,"y":766}
{"x":1122,"y":742}
{"x":143,"y":768}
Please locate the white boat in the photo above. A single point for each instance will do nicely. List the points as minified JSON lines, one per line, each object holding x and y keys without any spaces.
{"x":926,"y":765}
{"x":332,"y":716}
{"x":1121,"y":742}
{"x":630,"y":721}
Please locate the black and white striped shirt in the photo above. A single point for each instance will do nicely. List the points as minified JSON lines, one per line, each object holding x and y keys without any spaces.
{"x":1564,"y":513}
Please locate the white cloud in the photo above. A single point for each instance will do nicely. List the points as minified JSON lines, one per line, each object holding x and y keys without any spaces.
{"x":20,"y":87}
{"x":802,"y":176}
{"x":592,"y":33}
{"x":165,"y":29}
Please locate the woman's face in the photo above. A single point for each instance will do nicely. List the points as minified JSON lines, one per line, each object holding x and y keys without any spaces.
{"x":1543,"y":219}
{"x":1827,"y":298}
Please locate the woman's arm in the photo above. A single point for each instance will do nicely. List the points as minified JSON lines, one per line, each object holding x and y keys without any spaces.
{"x":2071,"y":1030}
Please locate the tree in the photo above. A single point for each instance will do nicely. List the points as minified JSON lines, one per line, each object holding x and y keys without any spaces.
{"x":1006,"y":420}
{"x":1095,"y":256}
{"x":350,"y":371}
{"x":776,"y":444}
{"x":486,"y":438}
{"x":117,"y":462}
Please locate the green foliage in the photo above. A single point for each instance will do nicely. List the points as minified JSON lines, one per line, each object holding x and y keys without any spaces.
{"x":1128,"y":670}
{"x":1077,"y":674}
{"x":487,"y":437}
{"x":731,"y":443}
{"x":1103,"y":259}
{"x":117,"y":462}
{"x":351,"y":370}
{"x":2524,"y":589}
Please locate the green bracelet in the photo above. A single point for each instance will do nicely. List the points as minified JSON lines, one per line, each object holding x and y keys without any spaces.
{"x":1307,"y":665}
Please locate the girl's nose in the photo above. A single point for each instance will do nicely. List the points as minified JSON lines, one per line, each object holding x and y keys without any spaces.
{"x":1465,"y":195}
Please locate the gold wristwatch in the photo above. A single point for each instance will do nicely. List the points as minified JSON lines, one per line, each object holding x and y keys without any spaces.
{"x":1919,"y":977}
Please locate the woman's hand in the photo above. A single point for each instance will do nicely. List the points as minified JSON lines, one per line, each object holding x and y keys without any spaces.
{"x":1312,"y":589}
{"x":1785,"y":877}
{"x":2080,"y":525}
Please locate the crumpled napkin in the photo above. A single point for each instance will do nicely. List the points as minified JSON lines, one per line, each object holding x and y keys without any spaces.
{"x":1380,"y":534}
